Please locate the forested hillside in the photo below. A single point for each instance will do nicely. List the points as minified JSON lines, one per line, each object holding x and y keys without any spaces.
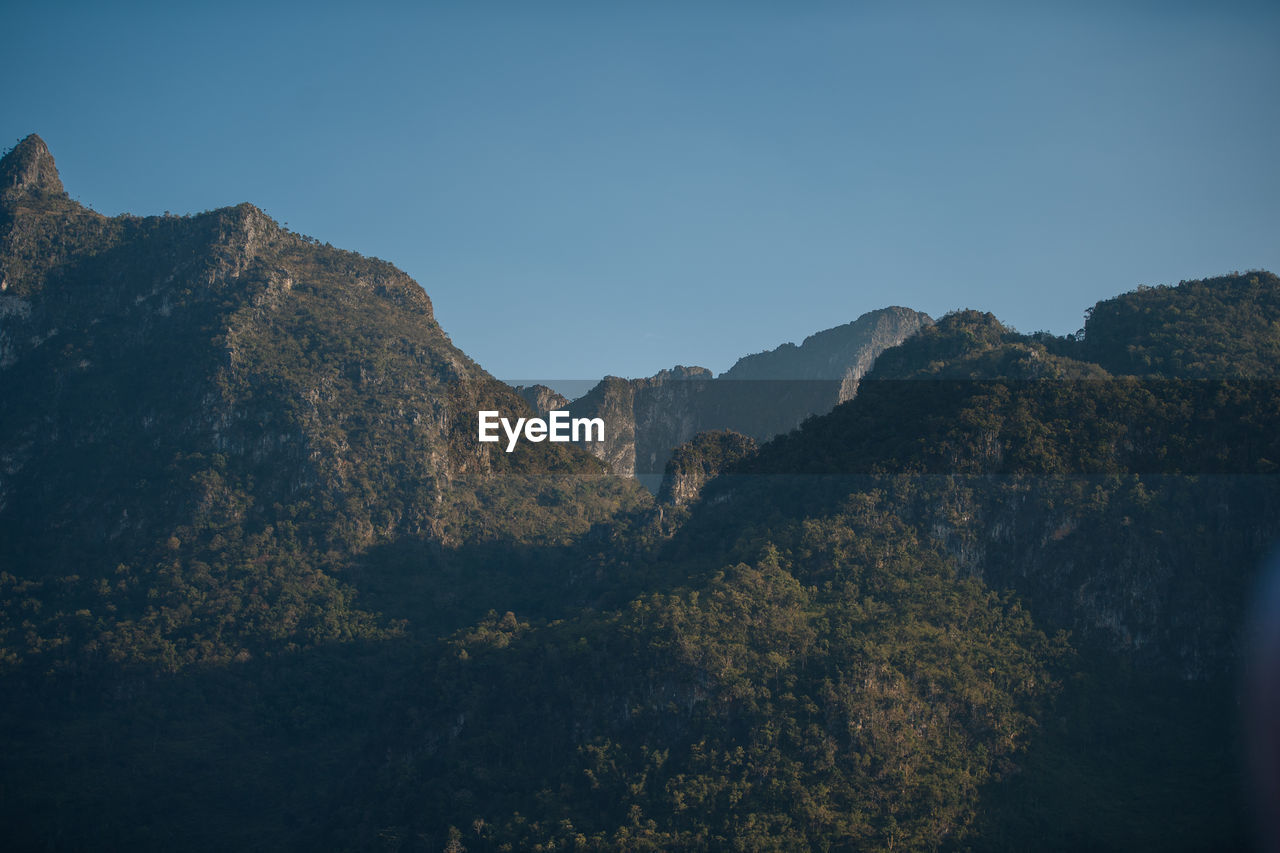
{"x":996,"y":601}
{"x":261,"y":588}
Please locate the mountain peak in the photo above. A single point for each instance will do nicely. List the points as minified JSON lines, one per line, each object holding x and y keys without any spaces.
{"x":843,"y":353}
{"x":29,"y":168}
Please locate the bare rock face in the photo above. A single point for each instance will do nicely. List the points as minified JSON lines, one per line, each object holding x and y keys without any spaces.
{"x":29,"y":169}
{"x":542,"y":399}
{"x":644,"y":419}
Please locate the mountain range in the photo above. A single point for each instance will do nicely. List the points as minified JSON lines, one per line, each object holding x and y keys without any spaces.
{"x":908,"y":585}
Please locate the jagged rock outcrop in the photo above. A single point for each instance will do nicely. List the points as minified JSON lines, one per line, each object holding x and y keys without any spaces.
{"x":541,"y":398}
{"x":29,"y":170}
{"x":761,"y":396}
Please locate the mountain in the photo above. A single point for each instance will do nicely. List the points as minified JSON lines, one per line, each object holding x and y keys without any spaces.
{"x":237,"y":462}
{"x":541,"y":398}
{"x":843,"y":354}
{"x":996,"y":601}
{"x":262,"y":588}
{"x":1048,"y":474}
{"x":1132,"y":511}
{"x":29,"y":171}
{"x":1230,"y":320}
{"x":188,"y":393}
{"x":761,"y":396}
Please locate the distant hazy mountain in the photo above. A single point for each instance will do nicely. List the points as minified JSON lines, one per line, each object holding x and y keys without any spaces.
{"x":842,"y":354}
{"x":761,"y":396}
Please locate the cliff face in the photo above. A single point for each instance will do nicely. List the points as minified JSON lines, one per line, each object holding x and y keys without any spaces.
{"x":761,"y":396}
{"x":644,"y":419}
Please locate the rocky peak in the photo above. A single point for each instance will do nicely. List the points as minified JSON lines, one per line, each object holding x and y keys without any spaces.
{"x":542,"y":399}
{"x":843,"y":353}
{"x":29,"y":169}
{"x":680,"y":373}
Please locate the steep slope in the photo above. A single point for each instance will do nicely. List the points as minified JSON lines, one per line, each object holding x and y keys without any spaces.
{"x":541,"y":398}
{"x":248,"y":543}
{"x":187,"y":397}
{"x":827,"y":660}
{"x":239,"y":486}
{"x":1133,"y":511}
{"x":843,"y":690}
{"x":645,"y":418}
{"x":1046,"y":474}
{"x":827,"y":664}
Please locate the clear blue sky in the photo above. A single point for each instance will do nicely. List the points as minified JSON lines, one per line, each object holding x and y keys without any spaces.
{"x":602,"y":187}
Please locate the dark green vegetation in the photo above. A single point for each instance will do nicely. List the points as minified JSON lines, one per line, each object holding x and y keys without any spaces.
{"x":844,"y":690}
{"x":261,"y":589}
{"x":213,"y":425}
{"x":699,"y":460}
